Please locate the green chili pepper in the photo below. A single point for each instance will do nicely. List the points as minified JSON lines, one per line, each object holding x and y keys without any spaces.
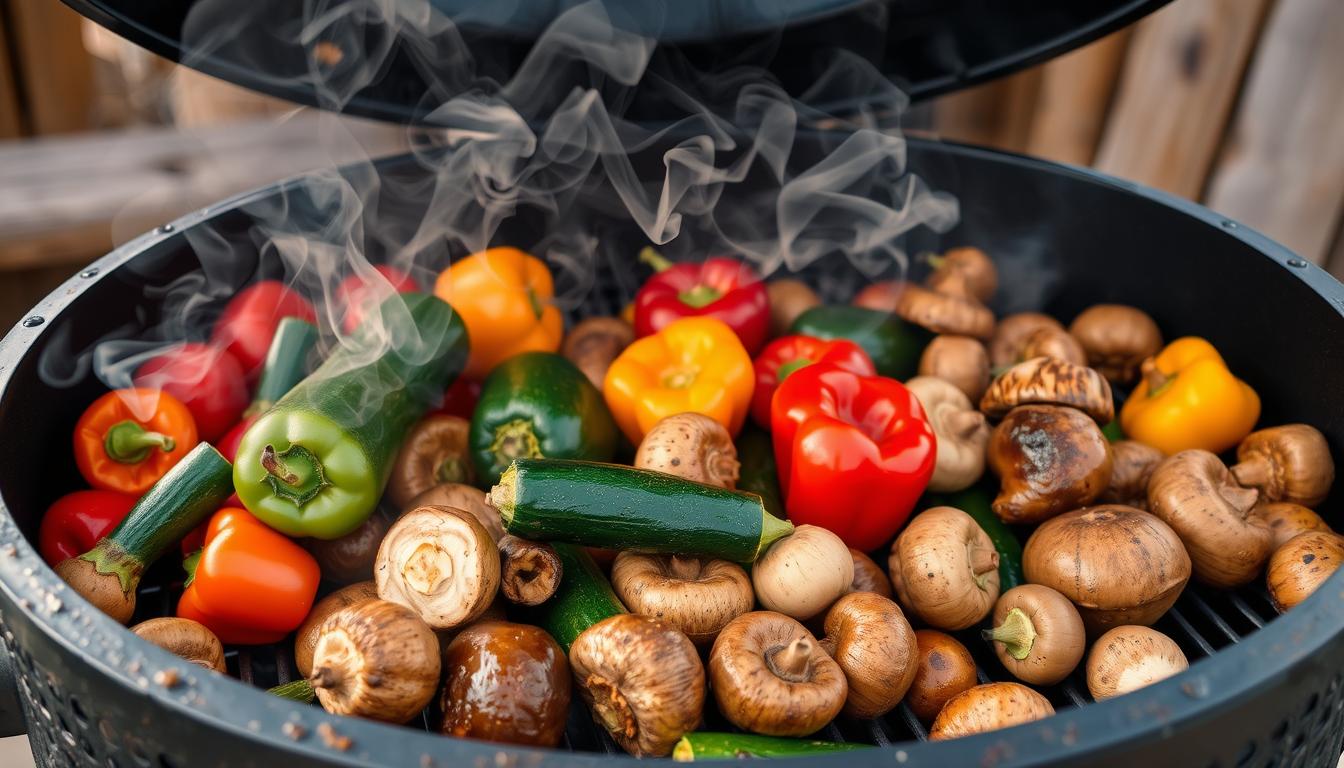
{"x":893,"y":344}
{"x":976,"y":501}
{"x":316,"y":463}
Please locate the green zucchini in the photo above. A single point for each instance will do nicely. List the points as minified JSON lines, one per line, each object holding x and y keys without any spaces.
{"x":583,"y":598}
{"x":758,"y":474}
{"x":893,"y":344}
{"x":617,"y":507}
{"x":976,"y":501}
{"x":297,"y":690}
{"x":735,"y":746}
{"x":286,"y":363}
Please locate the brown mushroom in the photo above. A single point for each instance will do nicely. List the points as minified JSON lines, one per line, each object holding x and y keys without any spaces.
{"x":801,"y":574}
{"x":1286,"y":520}
{"x":1197,"y":496}
{"x":1037,"y":635}
{"x":868,"y":575}
{"x":377,"y":660}
{"x":594,"y":343}
{"x":1300,"y":566}
{"x":874,"y":645}
{"x":945,"y":569}
{"x":1117,"y":339}
{"x":1048,"y":381}
{"x":305,"y":637}
{"x":1132,"y":464}
{"x":989,"y":707}
{"x":441,"y":563}
{"x":1288,"y":463}
{"x":960,"y":360}
{"x":1054,"y":343}
{"x":964,"y":271}
{"x":459,"y":496}
{"x":1010,"y":335}
{"x":882,"y":296}
{"x":435,"y":452}
{"x":188,"y":639}
{"x":789,"y":298}
{"x":1128,"y":658}
{"x":529,"y":571}
{"x":1049,"y":460}
{"x":771,"y":676}
{"x":103,"y":590}
{"x":698,"y":596}
{"x":943,"y":670}
{"x":944,"y":313}
{"x":962,"y":433}
{"x":349,"y":559}
{"x":505,"y":682}
{"x":1117,"y":564}
{"x":693,"y":446}
{"x":642,"y":679}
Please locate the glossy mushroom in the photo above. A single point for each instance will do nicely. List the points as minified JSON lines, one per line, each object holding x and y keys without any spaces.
{"x":434,"y":452}
{"x":869,"y":637}
{"x":989,"y":707}
{"x":377,"y":660}
{"x":944,"y":313}
{"x":1117,"y":338}
{"x":1055,"y":343}
{"x":1300,"y":566}
{"x":594,"y":343}
{"x":1286,"y":520}
{"x":305,"y":637}
{"x":960,"y":360}
{"x":943,"y":669}
{"x":185,"y":638}
{"x":868,"y":575}
{"x":529,"y":571}
{"x":961,"y":431}
{"x":693,"y":446}
{"x":801,"y":574}
{"x":1128,"y":658}
{"x":1005,"y":348}
{"x":1048,"y":381}
{"x":698,"y":596}
{"x":1288,"y":463}
{"x":1049,"y":459}
{"x":945,"y":569}
{"x":964,"y":271}
{"x":1037,"y":634}
{"x":1132,"y":465}
{"x":441,"y":563}
{"x":349,"y":558}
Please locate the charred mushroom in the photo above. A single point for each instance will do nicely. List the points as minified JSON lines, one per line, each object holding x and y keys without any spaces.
{"x":870,"y":639}
{"x":349,"y":559}
{"x":943,"y":670}
{"x":529,"y":571}
{"x":1047,"y":381}
{"x":945,"y":569}
{"x":693,"y":446}
{"x":1117,"y":564}
{"x":594,"y":343}
{"x":698,"y":596}
{"x":1117,"y":339}
{"x":1054,"y":343}
{"x":305,"y":637}
{"x":441,"y":563}
{"x":1037,"y":635}
{"x":960,"y":360}
{"x":803,"y":573}
{"x":1010,"y":335}
{"x":1288,"y":463}
{"x":944,"y":313}
{"x":770,"y":676}
{"x":1286,"y":520}
{"x":458,"y":496}
{"x":989,"y":707}
{"x":1297,"y":568}
{"x":789,"y":298}
{"x":505,"y":682}
{"x":375,"y":659}
{"x":1197,"y":496}
{"x":1128,"y":658}
{"x":1132,"y":465}
{"x":868,"y":575}
{"x":185,"y":638}
{"x":643,"y":681}
{"x":1049,"y":460}
{"x":964,"y":271}
{"x":962,"y":433}
{"x":435,"y":452}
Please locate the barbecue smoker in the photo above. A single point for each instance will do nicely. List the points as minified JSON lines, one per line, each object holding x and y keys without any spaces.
{"x":1262,"y":689}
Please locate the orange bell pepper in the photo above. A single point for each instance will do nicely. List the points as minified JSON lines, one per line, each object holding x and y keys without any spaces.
{"x":504,"y":298}
{"x":249,"y":584}
{"x":695,"y":364}
{"x":129,"y":438}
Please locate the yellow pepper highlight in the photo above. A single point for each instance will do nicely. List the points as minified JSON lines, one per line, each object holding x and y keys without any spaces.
{"x":695,"y":364}
{"x":1189,"y":399}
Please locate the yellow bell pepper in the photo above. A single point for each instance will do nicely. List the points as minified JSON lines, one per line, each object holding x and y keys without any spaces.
{"x":695,"y":364}
{"x":1189,"y":399}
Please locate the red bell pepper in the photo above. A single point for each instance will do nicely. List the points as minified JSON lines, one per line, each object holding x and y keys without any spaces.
{"x":460,"y":398}
{"x":78,"y":520}
{"x":854,"y":452}
{"x":721,"y":288}
{"x":207,"y":379}
{"x":787,"y":354}
{"x":357,"y":293}
{"x":250,"y":318}
{"x":250,"y":585}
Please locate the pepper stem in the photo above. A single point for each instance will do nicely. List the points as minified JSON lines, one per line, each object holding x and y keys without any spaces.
{"x":1017,"y":634}
{"x":514,"y":440}
{"x":298,"y":690}
{"x":654,"y":259}
{"x":535,"y":300}
{"x":189,"y":564}
{"x":792,"y":661}
{"x":1156,"y":380}
{"x":790,"y":367}
{"x":295,"y":473}
{"x":127,"y":442}
{"x":700,"y":296}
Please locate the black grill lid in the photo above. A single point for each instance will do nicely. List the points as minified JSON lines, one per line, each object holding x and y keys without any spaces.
{"x":428,"y":52}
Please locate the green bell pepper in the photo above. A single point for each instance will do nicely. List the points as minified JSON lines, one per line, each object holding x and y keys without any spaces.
{"x":893,"y":344}
{"x":538,"y":405}
{"x":317,"y":462}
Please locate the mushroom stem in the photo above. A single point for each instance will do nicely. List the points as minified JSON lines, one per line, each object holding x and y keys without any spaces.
{"x":611,"y":707}
{"x":1017,"y":634}
{"x":964,"y":424}
{"x":791,"y":661}
{"x":530,"y":571}
{"x":325,"y":677}
{"x":1243,"y":499}
{"x":984,"y":561}
{"x":1154,"y":378}
{"x":683,"y":568}
{"x":1254,"y":472}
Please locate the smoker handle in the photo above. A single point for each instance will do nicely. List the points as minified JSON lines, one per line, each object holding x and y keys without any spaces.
{"x":12,"y":722}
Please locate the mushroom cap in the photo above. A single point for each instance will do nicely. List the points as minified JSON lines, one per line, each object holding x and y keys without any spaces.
{"x":698,"y":596}
{"x":693,"y":446}
{"x":874,"y":645}
{"x":961,"y":360}
{"x":305,"y":637}
{"x":801,"y":574}
{"x":1057,"y":343}
{"x":1194,"y":493}
{"x":989,"y":707}
{"x":945,"y":568}
{"x":1286,"y":520}
{"x":429,"y":443}
{"x":1300,"y":566}
{"x":441,"y":563}
{"x":965,"y":271}
{"x":944,"y":669}
{"x":375,"y":659}
{"x":962,"y":433}
{"x":459,"y":496}
{"x":642,"y":679}
{"x":1057,"y":639}
{"x":1128,"y":658}
{"x":788,"y":298}
{"x":1049,"y":459}
{"x":1287,"y":463}
{"x":868,"y":575}
{"x":1118,"y":565}
{"x":1116,"y":338}
{"x":757,"y":694}
{"x":1132,"y":464}
{"x":944,"y":313}
{"x":188,"y":639}
{"x":1005,"y":348}
{"x":594,"y":342}
{"x":882,"y":296}
{"x":349,"y":558}
{"x":1048,"y":381}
